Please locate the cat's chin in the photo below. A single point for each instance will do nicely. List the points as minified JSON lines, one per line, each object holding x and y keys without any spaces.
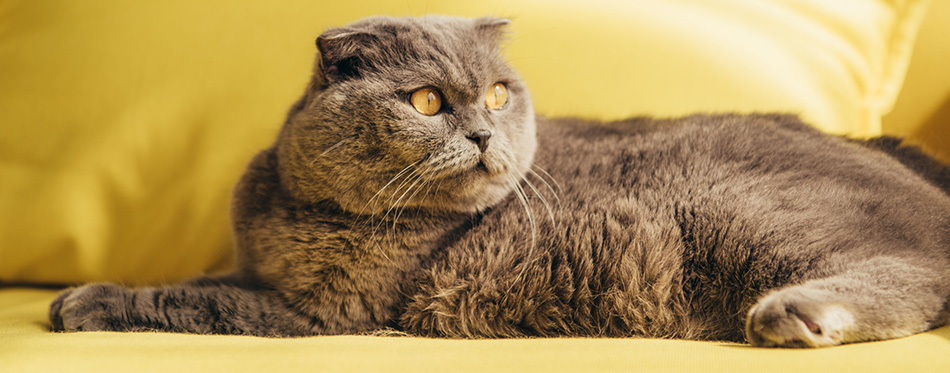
{"x":474,"y":201}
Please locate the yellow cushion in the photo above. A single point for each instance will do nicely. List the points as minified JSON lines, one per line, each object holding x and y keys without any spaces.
{"x":29,"y":347}
{"x":922,"y":111}
{"x":125,"y":123}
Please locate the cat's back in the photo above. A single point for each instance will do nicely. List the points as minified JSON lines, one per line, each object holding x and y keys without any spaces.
{"x":772,"y":168}
{"x":771,"y":154}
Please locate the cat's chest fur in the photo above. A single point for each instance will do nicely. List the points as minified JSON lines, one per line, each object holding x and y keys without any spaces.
{"x":352,"y":269}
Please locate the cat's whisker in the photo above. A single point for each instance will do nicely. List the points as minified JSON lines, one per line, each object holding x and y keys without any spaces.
{"x":553,"y":180}
{"x":378,"y":194}
{"x":422,"y":177}
{"x":328,"y":150}
{"x":406,"y":182}
{"x":382,"y":220}
{"x":391,"y":181}
{"x":393,"y":202}
{"x":395,"y":207}
{"x":544,"y":201}
{"x":523,"y":199}
{"x":425,"y":181}
{"x":427,"y":184}
{"x":428,"y":191}
{"x":425,"y":177}
{"x":496,"y":13}
{"x":373,"y":241}
{"x":438,"y":187}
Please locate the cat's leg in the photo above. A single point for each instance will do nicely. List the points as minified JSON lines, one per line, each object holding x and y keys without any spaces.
{"x":205,"y":305}
{"x":875,"y":299}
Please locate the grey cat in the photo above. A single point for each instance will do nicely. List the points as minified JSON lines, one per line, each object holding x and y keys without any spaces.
{"x":412,"y":188}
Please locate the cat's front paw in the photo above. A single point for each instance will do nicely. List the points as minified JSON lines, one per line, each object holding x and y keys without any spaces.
{"x":455,"y":313}
{"x":431,"y":317}
{"x":97,"y":307}
{"x":798,"y":317}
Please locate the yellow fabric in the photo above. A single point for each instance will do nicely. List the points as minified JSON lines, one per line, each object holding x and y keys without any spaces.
{"x":27,"y":346}
{"x":922,"y":111}
{"x":126,"y":123}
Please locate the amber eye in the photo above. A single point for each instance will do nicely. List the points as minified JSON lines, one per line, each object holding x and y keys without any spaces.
{"x":497,"y":97}
{"x":426,"y":101}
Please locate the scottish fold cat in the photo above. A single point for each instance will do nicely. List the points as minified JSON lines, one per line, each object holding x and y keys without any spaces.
{"x":412,"y":187}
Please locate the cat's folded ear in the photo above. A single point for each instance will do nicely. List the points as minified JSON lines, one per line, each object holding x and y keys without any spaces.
{"x":341,"y":53}
{"x":492,"y":28}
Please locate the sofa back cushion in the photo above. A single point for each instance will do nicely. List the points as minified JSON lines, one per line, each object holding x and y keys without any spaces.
{"x":126,"y":123}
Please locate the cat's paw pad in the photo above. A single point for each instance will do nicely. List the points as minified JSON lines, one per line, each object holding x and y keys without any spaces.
{"x":95,"y":307}
{"x":797,"y":317}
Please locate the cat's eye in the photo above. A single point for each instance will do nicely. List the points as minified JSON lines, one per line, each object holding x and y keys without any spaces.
{"x":497,"y":97}
{"x":426,"y":101}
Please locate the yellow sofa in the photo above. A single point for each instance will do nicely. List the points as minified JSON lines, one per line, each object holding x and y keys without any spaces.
{"x":124,"y":124}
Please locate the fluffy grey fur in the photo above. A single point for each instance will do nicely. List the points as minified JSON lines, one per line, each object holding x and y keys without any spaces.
{"x":366,"y":214}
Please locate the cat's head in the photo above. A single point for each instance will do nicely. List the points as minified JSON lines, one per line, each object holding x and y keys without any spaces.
{"x":409,"y":112}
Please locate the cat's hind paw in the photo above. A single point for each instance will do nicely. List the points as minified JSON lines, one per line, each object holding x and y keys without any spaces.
{"x":797,"y":317}
{"x":97,"y":307}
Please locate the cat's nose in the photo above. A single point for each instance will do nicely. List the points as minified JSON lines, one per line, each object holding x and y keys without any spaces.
{"x":480,"y":138}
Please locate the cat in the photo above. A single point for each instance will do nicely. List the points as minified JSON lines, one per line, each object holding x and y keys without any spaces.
{"x":413,"y":188}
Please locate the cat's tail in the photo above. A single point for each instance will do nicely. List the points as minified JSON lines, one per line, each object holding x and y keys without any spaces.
{"x":913,"y":158}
